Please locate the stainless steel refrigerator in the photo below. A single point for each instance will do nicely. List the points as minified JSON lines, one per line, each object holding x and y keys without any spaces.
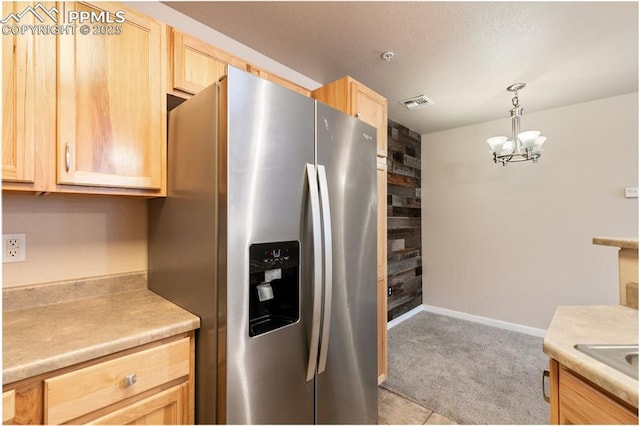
{"x":268,"y":234}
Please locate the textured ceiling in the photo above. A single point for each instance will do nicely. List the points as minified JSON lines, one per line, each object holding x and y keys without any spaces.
{"x":462,"y":55}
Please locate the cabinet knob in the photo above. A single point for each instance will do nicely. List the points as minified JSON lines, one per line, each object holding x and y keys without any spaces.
{"x":129,"y":380}
{"x":67,"y":156}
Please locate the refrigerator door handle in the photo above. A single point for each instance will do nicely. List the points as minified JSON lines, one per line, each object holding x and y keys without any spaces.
{"x":314,"y":200}
{"x":328,"y":265}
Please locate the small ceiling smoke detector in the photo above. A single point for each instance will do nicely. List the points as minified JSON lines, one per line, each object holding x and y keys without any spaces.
{"x":416,"y":102}
{"x":387,"y":56}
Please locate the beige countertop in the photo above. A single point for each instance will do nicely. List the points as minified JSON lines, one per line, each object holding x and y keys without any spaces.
{"x":613,"y":324}
{"x":629,"y":243}
{"x":48,"y":337}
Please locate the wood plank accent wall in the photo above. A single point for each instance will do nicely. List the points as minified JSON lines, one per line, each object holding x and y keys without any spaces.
{"x":404,"y":267}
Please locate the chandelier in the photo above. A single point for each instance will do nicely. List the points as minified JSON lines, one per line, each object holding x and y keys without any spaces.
{"x":523,"y":146}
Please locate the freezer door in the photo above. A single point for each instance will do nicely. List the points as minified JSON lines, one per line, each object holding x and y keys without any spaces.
{"x":264,"y":199}
{"x":347,"y":389}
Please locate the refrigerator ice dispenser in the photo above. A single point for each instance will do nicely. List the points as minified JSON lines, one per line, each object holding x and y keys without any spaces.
{"x":274,"y":286}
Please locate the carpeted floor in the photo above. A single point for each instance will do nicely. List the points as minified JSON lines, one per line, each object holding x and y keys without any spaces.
{"x":468,"y":372}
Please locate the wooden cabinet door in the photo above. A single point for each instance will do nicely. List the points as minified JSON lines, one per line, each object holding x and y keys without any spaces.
{"x":573,"y":400}
{"x":353,"y":98}
{"x":19,"y":100}
{"x":164,"y":408}
{"x":195,"y":64}
{"x":582,"y":403}
{"x":371,"y":108}
{"x":111,"y":103}
{"x":8,"y":406}
{"x":382,"y":268}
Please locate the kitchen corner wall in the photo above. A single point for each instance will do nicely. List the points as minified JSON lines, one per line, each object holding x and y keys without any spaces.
{"x":74,"y":236}
{"x":512,"y":243}
{"x":404,"y":266}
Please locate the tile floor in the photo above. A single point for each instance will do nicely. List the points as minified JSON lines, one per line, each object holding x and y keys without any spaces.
{"x":394,"y":409}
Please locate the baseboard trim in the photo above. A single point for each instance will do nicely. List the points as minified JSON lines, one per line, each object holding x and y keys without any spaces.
{"x":531,"y":331}
{"x":404,"y":317}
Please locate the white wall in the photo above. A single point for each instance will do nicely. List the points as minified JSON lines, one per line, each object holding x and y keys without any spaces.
{"x":512,"y":243}
{"x":74,"y":236}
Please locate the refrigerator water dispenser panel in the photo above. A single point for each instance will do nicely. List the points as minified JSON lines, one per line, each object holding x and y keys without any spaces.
{"x":274,"y":286}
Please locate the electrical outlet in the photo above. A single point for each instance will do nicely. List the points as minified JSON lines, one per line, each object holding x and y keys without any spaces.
{"x":389,"y":291}
{"x":14,"y":248}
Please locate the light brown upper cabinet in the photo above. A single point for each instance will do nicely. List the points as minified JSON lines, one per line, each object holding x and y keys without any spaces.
{"x":23,"y":79}
{"x":352,"y":97}
{"x":195,"y":64}
{"x":85,"y":112}
{"x":278,"y":80}
{"x":111,"y":105}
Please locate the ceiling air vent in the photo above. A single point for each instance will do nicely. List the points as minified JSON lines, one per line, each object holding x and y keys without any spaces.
{"x":416,"y":102}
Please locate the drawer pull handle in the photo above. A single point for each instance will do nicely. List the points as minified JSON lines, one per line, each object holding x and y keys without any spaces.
{"x":546,"y":397}
{"x":129,"y":380}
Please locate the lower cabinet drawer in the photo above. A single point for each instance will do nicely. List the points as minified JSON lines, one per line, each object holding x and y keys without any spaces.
{"x":83,"y":391}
